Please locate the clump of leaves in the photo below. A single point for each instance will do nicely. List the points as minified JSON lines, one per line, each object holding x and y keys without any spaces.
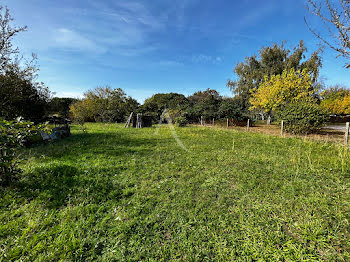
{"x":13,"y":135}
{"x":181,"y":121}
{"x":302,"y":118}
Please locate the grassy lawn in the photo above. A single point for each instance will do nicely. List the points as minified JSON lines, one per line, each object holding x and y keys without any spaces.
{"x":117,"y":194}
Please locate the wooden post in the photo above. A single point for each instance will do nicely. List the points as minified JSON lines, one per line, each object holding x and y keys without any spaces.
{"x":346,"y":137}
{"x":201,"y":120}
{"x":268,"y":122}
{"x":282,"y":126}
{"x":213,"y":121}
{"x":227,"y":123}
{"x":248,"y":124}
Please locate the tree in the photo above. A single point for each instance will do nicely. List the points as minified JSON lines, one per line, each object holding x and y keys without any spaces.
{"x":232,"y":108}
{"x":204,"y":103}
{"x":155,"y":105}
{"x":302,"y":117}
{"x":272,"y":60}
{"x":82,"y":111}
{"x":104,"y":104}
{"x":292,"y":98}
{"x":7,"y":33}
{"x":21,"y":97}
{"x":20,"y":93}
{"x":336,"y":20}
{"x":60,"y":105}
{"x":279,"y":90}
{"x":336,"y":100}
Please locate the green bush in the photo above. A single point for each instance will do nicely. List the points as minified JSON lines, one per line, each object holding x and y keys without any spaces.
{"x":13,"y":134}
{"x":181,"y":121}
{"x":302,"y":118}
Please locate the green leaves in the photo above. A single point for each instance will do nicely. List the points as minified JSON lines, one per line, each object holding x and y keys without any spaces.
{"x":302,"y":117}
{"x":14,"y":134}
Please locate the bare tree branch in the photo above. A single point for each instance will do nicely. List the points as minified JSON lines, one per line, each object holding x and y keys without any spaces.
{"x":336,"y":19}
{"x":7,"y":32}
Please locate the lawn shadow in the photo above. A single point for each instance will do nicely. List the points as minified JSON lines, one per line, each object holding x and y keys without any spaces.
{"x":98,"y":144}
{"x":55,"y":185}
{"x":50,"y":184}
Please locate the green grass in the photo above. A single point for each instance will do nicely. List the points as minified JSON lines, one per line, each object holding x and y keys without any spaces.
{"x":117,"y":194}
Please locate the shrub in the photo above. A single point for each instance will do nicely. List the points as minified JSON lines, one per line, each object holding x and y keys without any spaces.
{"x":181,"y":121}
{"x":13,"y":134}
{"x":302,"y":117}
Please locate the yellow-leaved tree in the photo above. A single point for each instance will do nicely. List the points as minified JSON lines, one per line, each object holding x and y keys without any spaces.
{"x":336,"y":100}
{"x":291,"y":97}
{"x":278,"y":90}
{"x":346,"y":104}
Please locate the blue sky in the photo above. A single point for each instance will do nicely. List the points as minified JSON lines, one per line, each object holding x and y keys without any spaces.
{"x":158,"y":46}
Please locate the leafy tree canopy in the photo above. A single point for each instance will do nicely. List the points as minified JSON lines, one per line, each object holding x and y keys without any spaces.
{"x":336,"y":100}
{"x":279,"y":90}
{"x":156,"y":104}
{"x":204,"y":103}
{"x":272,"y":60}
{"x":60,"y":105}
{"x":104,"y":104}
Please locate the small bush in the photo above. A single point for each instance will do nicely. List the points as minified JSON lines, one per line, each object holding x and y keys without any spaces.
{"x":302,"y":118}
{"x":13,"y":134}
{"x":181,"y":121}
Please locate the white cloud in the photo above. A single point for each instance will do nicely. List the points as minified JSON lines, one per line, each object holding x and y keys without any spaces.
{"x":67,"y":38}
{"x":69,"y":94}
{"x":201,"y":58}
{"x":170,"y":63}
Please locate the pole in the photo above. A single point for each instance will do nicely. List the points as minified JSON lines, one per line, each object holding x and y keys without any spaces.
{"x":248,"y":124}
{"x":201,"y":120}
{"x":282,"y":125}
{"x":227,"y":123}
{"x":346,"y":137}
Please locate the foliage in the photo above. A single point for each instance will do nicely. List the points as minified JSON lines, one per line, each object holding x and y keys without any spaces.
{"x":172,"y":114}
{"x":104,"y":104}
{"x":278,"y":91}
{"x":20,"y":97}
{"x":336,"y":19}
{"x":336,"y":100}
{"x":60,"y":105}
{"x":82,"y":112}
{"x":232,"y":108}
{"x":13,"y":134}
{"x":155,"y":105}
{"x":181,"y":121}
{"x":20,"y":93}
{"x":204,"y":103}
{"x":302,"y":117}
{"x":271,"y":61}
{"x":118,"y":194}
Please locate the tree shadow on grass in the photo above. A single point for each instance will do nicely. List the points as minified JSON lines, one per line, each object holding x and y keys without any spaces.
{"x":98,"y":144}
{"x":50,"y":184}
{"x":54,"y":185}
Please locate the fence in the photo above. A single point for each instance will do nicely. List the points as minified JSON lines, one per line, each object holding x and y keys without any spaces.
{"x":248,"y":123}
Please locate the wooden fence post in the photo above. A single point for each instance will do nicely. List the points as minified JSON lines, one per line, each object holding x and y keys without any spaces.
{"x":213,"y":121}
{"x":282,"y":126}
{"x":268,"y":122}
{"x":227,"y":123}
{"x":346,"y":137}
{"x":248,"y":124}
